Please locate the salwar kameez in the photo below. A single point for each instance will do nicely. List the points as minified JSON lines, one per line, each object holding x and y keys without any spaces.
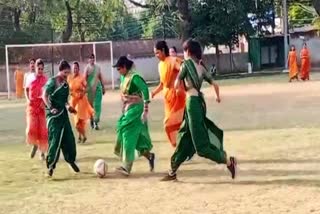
{"x":132,"y":133}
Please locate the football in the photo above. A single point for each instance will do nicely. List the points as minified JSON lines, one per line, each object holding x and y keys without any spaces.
{"x":100,"y":168}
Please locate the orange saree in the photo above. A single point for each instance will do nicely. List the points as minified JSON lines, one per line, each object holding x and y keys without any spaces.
{"x":19,"y":78}
{"x":37,"y":133}
{"x":305,"y":64}
{"x":79,"y":101}
{"x":293,"y":65}
{"x":174,"y":103}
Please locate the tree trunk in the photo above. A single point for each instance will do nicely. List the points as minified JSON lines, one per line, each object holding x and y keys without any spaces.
{"x":32,"y":15}
{"x":218,"y":59}
{"x":79,"y":24}
{"x":66,"y":34}
{"x":231,"y":60}
{"x":81,"y":32}
{"x":316,"y":4}
{"x":185,"y":17}
{"x":16,"y":19}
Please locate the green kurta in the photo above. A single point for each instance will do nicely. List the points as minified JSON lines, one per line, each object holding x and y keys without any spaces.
{"x":95,"y":94}
{"x":197,"y":134}
{"x":132,"y":133}
{"x":59,"y":128}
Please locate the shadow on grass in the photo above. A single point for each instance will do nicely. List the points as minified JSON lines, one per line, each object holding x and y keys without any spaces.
{"x":269,"y":177}
{"x":288,"y":182}
{"x":95,"y":158}
{"x":279,"y":161}
{"x":144,"y":175}
{"x":268,"y":173}
{"x":73,"y":178}
{"x":109,"y":176}
{"x":101,"y":142}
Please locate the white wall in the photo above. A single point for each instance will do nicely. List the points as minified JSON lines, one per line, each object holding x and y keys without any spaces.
{"x":314,"y":48}
{"x":147,"y":66}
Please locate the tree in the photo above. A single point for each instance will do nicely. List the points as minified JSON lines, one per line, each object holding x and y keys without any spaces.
{"x":263,"y":16}
{"x":15,"y":8}
{"x":298,"y":16}
{"x":126,"y":27}
{"x":316,"y":5}
{"x":219,"y":22}
{"x":67,"y":33}
{"x":61,"y":13}
{"x":88,"y":24}
{"x":162,"y":6}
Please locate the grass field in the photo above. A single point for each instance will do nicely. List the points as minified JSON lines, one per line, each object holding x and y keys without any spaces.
{"x":270,"y":125}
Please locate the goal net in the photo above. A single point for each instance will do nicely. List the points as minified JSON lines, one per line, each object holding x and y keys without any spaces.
{"x":17,"y":58}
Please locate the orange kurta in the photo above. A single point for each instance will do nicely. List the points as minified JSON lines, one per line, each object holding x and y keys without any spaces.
{"x":305,"y":64}
{"x":79,"y":101}
{"x":37,"y":133}
{"x":293,"y":65}
{"x":174,"y":103}
{"x":19,"y":78}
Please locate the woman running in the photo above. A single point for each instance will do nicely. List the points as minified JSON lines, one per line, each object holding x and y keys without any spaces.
{"x":79,"y":101}
{"x":174,"y":102}
{"x":37,"y":133}
{"x":132,"y":128}
{"x":197,"y":134}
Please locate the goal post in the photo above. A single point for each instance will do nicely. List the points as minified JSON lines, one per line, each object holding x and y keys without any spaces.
{"x":52,"y":53}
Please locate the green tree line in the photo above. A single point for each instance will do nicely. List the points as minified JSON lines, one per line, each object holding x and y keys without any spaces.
{"x":213,"y":22}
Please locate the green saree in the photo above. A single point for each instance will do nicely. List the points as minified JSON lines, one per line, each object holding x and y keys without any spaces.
{"x":197,"y":133}
{"x":95,"y":94}
{"x":59,"y":128}
{"x":132,"y":132}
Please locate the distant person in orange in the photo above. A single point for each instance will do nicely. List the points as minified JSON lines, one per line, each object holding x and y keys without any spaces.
{"x":293,"y":65}
{"x":173,"y":51}
{"x":19,"y":78}
{"x":37,"y":133}
{"x":79,"y":101}
{"x":305,"y":63}
{"x":174,"y":102}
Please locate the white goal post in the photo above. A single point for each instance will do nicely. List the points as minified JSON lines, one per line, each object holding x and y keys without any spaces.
{"x":93,"y":47}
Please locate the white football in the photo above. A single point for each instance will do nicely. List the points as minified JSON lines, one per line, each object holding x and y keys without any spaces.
{"x":100,"y":168}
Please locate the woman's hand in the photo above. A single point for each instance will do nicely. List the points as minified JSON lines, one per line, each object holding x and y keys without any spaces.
{"x":180,"y":92}
{"x":72,"y":110}
{"x":54,"y":111}
{"x":144,"y":116}
{"x":153,"y":94}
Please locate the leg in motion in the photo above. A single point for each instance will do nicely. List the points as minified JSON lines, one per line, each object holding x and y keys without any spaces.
{"x":68,"y":147}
